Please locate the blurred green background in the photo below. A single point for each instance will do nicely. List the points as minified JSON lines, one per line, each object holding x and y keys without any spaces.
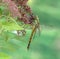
{"x":45,"y":46}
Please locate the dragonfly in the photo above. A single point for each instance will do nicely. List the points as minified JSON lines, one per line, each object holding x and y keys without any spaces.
{"x":28,"y":17}
{"x":24,"y":14}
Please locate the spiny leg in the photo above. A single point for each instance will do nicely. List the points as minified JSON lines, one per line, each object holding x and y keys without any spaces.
{"x":38,"y":25}
{"x":38,"y":28}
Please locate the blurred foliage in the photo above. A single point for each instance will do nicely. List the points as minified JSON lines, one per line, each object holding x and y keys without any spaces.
{"x":45,"y":46}
{"x":48,"y":11}
{"x":6,"y":21}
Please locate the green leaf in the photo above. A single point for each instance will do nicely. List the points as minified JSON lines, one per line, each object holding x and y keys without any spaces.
{"x":4,"y":56}
{"x":9,"y":24}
